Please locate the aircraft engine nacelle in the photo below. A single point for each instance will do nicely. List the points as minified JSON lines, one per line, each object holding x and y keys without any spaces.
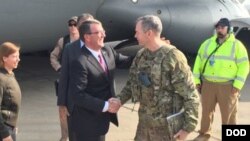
{"x":186,"y":23}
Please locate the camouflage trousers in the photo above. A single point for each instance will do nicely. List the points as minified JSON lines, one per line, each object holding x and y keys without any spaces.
{"x":145,"y":133}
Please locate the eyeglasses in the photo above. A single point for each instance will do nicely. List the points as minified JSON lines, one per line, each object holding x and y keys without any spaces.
{"x":97,"y":32}
{"x":71,"y":24}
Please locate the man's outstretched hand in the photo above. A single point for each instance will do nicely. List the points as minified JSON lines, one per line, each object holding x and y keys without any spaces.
{"x":114,"y":105}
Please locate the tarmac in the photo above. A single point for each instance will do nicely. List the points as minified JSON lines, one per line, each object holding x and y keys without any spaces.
{"x":39,"y":120}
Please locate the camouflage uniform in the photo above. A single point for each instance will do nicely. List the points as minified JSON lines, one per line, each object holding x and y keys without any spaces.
{"x":169,"y":74}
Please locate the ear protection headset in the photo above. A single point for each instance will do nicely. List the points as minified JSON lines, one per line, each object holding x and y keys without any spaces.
{"x":225,"y":22}
{"x":230,"y":29}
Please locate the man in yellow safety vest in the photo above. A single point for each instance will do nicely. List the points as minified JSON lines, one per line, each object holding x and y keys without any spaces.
{"x":220,"y":71}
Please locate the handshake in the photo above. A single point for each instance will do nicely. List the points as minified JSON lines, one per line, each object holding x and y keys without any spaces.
{"x":114,"y":105}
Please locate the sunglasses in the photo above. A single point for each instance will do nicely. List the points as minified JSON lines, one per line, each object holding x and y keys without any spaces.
{"x":72,"y":24}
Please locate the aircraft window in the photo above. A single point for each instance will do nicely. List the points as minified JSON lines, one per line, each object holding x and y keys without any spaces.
{"x":235,"y":29}
{"x":134,"y":1}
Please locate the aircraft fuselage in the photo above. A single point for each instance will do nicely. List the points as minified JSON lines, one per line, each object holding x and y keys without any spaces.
{"x":37,"y":25}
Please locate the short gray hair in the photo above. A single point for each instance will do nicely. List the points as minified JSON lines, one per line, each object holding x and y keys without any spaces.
{"x":150,"y":22}
{"x":83,"y":17}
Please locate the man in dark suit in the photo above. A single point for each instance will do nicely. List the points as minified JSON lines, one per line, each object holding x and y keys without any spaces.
{"x":87,"y":83}
{"x":63,"y":111}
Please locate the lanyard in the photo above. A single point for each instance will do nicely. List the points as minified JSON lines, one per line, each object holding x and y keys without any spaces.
{"x":213,"y":52}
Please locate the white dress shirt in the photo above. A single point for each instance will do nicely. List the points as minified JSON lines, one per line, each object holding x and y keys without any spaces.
{"x":95,"y":54}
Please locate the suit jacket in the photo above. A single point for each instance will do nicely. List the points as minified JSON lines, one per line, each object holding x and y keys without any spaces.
{"x":84,"y":87}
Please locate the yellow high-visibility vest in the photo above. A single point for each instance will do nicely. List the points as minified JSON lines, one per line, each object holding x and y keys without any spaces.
{"x":229,"y":63}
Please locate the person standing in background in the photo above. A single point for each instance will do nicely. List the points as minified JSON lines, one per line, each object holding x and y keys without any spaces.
{"x":220,"y":71}
{"x":63,"y":109}
{"x":55,"y":59}
{"x":10,"y":93}
{"x":56,"y":54}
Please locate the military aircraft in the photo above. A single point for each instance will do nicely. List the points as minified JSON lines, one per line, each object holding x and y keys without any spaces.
{"x":37,"y":24}
{"x":246,"y":3}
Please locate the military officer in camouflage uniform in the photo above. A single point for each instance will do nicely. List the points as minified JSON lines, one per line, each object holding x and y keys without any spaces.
{"x":159,"y":71}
